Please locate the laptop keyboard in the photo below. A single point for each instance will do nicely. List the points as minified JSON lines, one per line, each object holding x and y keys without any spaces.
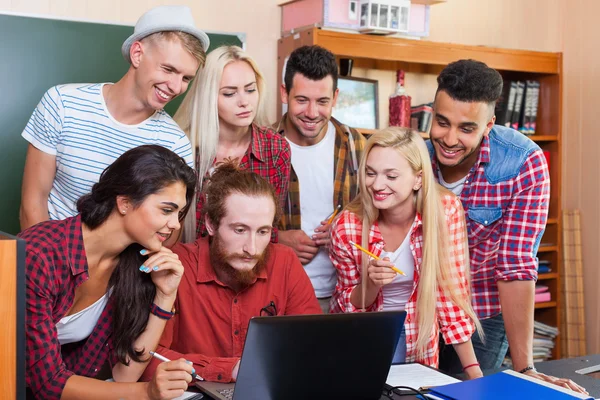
{"x":227,"y":393}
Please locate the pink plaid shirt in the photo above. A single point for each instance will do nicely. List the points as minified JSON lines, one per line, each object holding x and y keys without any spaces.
{"x":455,"y":325}
{"x":506,"y":221}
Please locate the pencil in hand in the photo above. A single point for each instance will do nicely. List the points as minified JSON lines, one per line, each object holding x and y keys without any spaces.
{"x":335,"y":212}
{"x":367,"y":252}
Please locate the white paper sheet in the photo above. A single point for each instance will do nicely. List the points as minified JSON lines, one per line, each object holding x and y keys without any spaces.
{"x":417,"y":376}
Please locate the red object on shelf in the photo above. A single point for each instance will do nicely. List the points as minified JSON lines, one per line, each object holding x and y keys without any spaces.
{"x":400,"y":103}
{"x":547,"y":155}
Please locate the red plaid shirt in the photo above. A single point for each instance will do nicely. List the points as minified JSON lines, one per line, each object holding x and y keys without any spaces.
{"x":455,"y":325}
{"x":269,"y":156}
{"x":55,"y":265}
{"x":503,"y":246}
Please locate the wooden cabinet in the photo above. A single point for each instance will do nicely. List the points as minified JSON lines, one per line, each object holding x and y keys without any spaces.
{"x":417,"y":56}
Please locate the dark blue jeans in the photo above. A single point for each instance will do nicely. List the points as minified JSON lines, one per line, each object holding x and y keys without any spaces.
{"x":489,"y":354}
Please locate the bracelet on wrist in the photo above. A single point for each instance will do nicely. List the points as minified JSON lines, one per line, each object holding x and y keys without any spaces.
{"x":528,"y":368}
{"x":470,"y":365}
{"x":160,"y":313}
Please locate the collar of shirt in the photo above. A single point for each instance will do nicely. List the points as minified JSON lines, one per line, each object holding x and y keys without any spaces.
{"x":76,"y":250}
{"x":258,"y":151}
{"x":376,"y":239}
{"x":205,"y":272}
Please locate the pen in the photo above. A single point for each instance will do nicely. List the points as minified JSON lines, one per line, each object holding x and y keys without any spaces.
{"x":375,"y":257}
{"x":165,"y":359}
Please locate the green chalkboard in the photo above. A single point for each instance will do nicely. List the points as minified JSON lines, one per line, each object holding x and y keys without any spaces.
{"x":38,"y":53}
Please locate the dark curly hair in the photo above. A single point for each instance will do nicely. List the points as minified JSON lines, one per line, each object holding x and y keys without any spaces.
{"x":314,"y":62}
{"x":470,"y":81}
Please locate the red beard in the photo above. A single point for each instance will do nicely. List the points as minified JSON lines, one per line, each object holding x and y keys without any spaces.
{"x":220,"y":261}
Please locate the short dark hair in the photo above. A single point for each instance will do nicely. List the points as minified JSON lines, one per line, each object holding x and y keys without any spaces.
{"x":470,"y":81}
{"x":314,"y":62}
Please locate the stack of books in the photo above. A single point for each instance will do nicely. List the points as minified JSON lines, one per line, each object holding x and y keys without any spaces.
{"x":420,"y":117}
{"x":544,"y":267}
{"x":542,"y":294}
{"x":543,"y":341}
{"x":517,"y":107}
{"x":544,"y":337}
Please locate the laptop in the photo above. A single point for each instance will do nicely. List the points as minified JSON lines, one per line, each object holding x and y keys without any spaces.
{"x":333,"y":356}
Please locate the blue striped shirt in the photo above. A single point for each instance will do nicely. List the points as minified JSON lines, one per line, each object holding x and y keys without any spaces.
{"x":72,"y":123}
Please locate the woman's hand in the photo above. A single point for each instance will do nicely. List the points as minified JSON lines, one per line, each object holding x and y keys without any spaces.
{"x":170,"y":380}
{"x":166,"y":271}
{"x":380,"y":272}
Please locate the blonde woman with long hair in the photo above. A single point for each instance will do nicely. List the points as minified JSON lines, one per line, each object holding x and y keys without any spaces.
{"x":224,"y":116}
{"x":402,"y":216}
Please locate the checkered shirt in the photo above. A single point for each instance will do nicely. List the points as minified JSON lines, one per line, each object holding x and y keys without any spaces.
{"x":269,"y":156}
{"x":455,"y":325}
{"x":504,"y":249}
{"x":55,"y":265}
{"x":349,"y":147}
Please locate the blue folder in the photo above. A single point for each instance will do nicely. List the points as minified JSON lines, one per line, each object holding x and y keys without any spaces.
{"x":501,"y":386}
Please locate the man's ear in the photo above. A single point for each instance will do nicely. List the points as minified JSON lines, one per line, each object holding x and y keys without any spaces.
{"x":209,"y":226}
{"x":335,"y":97}
{"x":284,"y":94}
{"x":135,"y":53}
{"x":490,"y":123}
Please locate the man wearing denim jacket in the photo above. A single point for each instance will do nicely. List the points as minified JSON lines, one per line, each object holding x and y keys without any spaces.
{"x":502,"y":179}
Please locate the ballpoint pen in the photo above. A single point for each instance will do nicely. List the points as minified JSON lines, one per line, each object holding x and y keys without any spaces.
{"x":375,"y":257}
{"x":165,"y":359}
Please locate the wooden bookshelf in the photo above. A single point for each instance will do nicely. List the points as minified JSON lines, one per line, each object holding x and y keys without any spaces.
{"x":420,"y":56}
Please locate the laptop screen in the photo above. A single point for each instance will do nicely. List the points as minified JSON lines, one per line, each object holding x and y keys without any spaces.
{"x":318,"y":356}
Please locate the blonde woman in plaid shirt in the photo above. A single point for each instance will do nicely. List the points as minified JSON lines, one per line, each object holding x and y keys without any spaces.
{"x":224,"y":115}
{"x":402,"y":215}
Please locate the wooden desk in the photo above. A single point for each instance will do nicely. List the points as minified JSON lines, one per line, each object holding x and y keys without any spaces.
{"x":12,"y":317}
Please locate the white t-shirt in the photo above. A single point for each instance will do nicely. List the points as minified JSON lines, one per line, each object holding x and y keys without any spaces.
{"x":314,"y":167}
{"x":397,"y":293}
{"x":76,"y":327}
{"x":454,"y":187}
{"x":72,"y":123}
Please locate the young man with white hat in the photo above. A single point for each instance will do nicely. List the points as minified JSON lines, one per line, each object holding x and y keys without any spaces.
{"x":77,"y":130}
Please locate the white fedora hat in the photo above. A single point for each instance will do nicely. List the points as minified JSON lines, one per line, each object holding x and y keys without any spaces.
{"x":161,"y":19}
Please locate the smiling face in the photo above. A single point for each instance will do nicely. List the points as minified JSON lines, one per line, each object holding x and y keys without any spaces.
{"x":243,"y":233}
{"x":458,"y":129}
{"x":238,"y":95}
{"x":389,"y":178}
{"x":163,"y":71}
{"x":155,"y":219}
{"x":310,"y":104}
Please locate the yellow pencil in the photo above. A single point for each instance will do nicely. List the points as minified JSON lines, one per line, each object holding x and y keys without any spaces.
{"x":337,"y":209}
{"x":374,"y":256}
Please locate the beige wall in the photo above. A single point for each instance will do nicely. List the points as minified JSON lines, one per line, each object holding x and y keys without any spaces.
{"x":547,"y":25}
{"x":581,"y":180}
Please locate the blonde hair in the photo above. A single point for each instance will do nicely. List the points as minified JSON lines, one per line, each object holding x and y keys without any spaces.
{"x":436,"y":270}
{"x":198,"y":114}
{"x":189,"y":42}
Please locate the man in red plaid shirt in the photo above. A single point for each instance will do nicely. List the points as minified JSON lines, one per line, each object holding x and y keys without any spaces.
{"x":502,"y":179}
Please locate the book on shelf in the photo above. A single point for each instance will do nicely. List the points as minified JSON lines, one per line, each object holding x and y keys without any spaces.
{"x":542,"y":294}
{"x":516,"y":115}
{"x":421,"y":117}
{"x":544,"y":267}
{"x":518,"y":105}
